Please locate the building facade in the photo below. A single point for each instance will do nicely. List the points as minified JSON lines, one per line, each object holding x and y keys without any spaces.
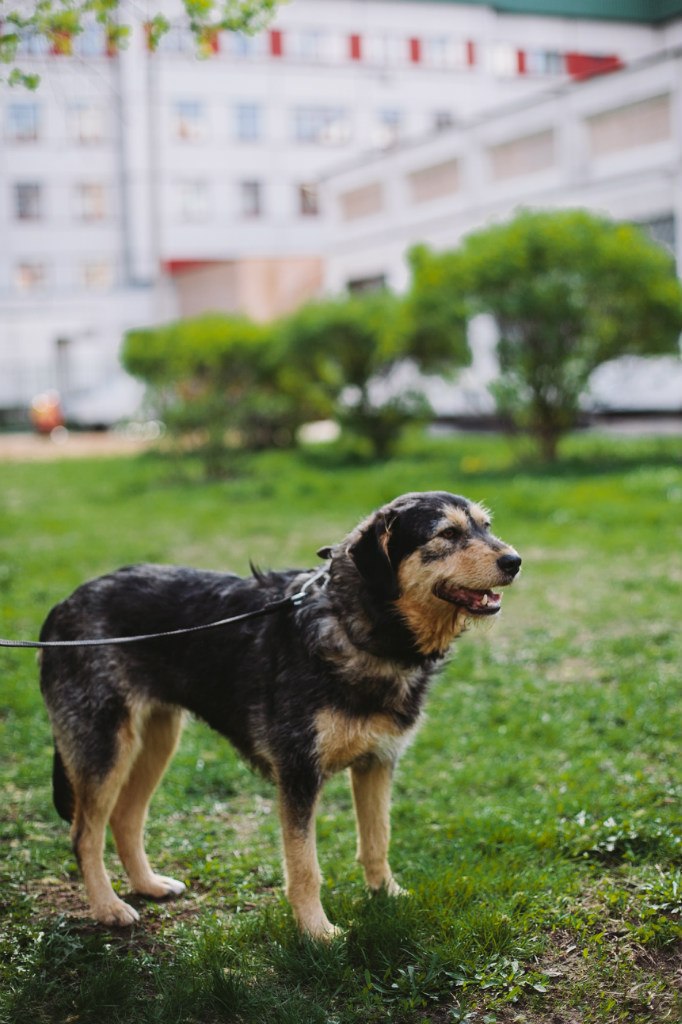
{"x":136,"y":187}
{"x":612,"y":144}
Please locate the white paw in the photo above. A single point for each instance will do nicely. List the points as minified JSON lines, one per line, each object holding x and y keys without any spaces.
{"x":393,"y":889}
{"x":325,"y":934}
{"x":320,"y":928}
{"x":159,"y":887}
{"x":116,"y":914}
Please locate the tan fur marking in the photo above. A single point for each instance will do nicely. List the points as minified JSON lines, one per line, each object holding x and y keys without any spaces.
{"x":434,"y":622}
{"x":303,"y":878}
{"x":457,"y":517}
{"x":372,"y":801}
{"x":159,"y":739}
{"x":342,"y":739}
{"x":480,"y":514}
{"x":94,"y":804}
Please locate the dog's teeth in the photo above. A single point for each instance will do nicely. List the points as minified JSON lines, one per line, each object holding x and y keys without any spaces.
{"x":484,"y":599}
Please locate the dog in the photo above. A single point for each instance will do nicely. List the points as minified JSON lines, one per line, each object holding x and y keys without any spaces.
{"x":336,"y":682}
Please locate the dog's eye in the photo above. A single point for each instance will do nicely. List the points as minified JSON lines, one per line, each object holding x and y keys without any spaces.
{"x":450,"y":533}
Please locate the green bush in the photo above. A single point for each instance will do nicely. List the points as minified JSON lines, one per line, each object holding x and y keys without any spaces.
{"x":219,"y":385}
{"x":569,"y":290}
{"x":346,"y":349}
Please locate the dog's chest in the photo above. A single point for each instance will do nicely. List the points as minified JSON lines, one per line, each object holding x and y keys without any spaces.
{"x":342,"y":739}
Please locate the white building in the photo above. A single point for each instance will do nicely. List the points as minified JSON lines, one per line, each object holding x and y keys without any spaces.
{"x":612,"y":144}
{"x":136,"y":187}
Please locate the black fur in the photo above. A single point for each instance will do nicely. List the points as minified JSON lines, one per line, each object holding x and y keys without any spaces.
{"x":263,"y":684}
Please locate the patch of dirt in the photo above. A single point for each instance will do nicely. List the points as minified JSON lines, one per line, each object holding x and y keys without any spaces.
{"x":34,"y":448}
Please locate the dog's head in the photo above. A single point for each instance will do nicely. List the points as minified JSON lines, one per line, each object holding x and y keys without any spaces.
{"x":433,"y":556}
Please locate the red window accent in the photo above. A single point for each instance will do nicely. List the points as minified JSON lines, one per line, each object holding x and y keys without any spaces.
{"x":521,"y":65}
{"x":61,"y":43}
{"x":582,"y":65}
{"x":210,"y":40}
{"x":355,"y":47}
{"x":174,"y":267}
{"x":415,"y":50}
{"x":276,"y":43}
{"x":471,"y":53}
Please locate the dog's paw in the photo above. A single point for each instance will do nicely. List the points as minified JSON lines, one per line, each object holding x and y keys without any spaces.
{"x":116,"y":914}
{"x":160,"y":887}
{"x":325,"y":934}
{"x":390,"y":887}
{"x":319,"y":928}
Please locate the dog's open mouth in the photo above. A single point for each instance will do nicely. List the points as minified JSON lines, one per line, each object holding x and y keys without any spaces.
{"x":477,"y":602}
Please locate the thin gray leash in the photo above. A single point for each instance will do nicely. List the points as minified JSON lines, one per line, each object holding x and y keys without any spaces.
{"x":294,"y":600}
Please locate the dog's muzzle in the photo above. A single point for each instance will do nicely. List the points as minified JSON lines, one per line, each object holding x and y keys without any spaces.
{"x":481,"y":602}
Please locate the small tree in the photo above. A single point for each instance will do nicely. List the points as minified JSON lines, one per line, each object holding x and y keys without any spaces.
{"x":569,"y":290}
{"x":217,"y":385}
{"x":345,"y":349}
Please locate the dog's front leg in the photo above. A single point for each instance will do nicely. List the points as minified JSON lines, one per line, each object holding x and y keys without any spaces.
{"x":371,"y":782}
{"x":301,"y":868}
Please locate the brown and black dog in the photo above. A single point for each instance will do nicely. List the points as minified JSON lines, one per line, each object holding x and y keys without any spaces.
{"x":337,"y":682}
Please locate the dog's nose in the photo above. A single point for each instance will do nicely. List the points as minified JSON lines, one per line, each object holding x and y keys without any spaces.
{"x":509,"y":563}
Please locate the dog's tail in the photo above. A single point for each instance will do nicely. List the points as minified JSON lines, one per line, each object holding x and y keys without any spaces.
{"x":62,"y":790}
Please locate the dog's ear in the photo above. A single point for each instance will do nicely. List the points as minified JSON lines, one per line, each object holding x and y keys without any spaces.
{"x":327,"y":551}
{"x":371,"y":557}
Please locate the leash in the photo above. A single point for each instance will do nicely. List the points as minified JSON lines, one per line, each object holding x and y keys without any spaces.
{"x":294,"y":600}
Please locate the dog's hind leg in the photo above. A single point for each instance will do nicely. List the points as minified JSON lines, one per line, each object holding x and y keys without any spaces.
{"x":95,"y":799}
{"x":371,"y":783}
{"x":159,"y":737}
{"x":301,"y":868}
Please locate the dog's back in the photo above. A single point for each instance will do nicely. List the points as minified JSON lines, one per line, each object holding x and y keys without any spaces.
{"x":308,"y":691}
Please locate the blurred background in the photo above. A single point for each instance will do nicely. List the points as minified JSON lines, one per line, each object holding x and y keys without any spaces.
{"x":249,"y":174}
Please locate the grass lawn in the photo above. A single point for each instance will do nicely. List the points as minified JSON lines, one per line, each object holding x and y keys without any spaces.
{"x":536,"y":817}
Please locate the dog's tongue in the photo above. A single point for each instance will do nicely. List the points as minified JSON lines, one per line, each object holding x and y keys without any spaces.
{"x":474,"y":600}
{"x":481,"y":599}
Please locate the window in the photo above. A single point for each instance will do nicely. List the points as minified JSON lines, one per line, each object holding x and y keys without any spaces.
{"x":305,"y":44}
{"x":23,"y":121}
{"x":544,"y":62}
{"x":443,"y":52}
{"x":434,"y":182}
{"x":32,"y":43}
{"x":91,"y":201}
{"x":308,"y":201}
{"x":443,"y":119}
{"x":189,"y":120}
{"x":178,"y":39}
{"x":327,"y":126}
{"x":638,"y":124}
{"x":92,"y":41}
{"x":85,"y":121}
{"x":527,"y":155}
{"x":28,"y":201}
{"x":247,"y":118}
{"x":251,"y":198}
{"x":389,"y":123}
{"x":362,"y":202}
{"x":241,"y":45}
{"x":662,"y":230}
{"x":30,"y":276}
{"x":385,"y":50}
{"x":360,"y":285}
{"x":193,"y":204}
{"x":502,"y":60}
{"x":97,"y":275}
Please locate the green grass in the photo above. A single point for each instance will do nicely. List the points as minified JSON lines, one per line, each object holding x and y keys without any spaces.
{"x":536,"y":817}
